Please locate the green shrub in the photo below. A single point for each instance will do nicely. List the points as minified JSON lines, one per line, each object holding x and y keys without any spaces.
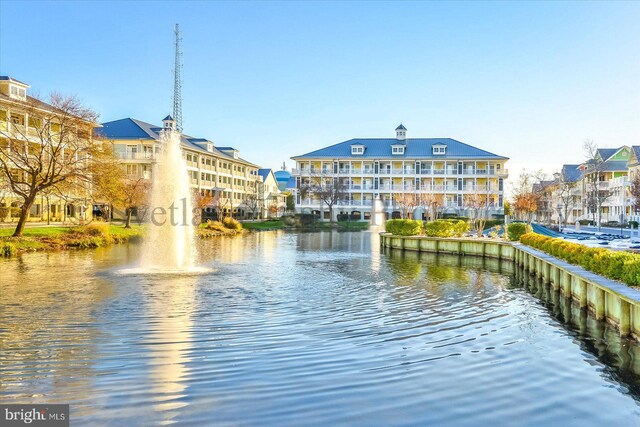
{"x":446,"y":228}
{"x":517,"y":229}
{"x":585,"y":222}
{"x":493,"y":223}
{"x":95,"y":229}
{"x":232,"y":223}
{"x":8,"y":249}
{"x":633,"y":224}
{"x":404,"y":227}
{"x":289,"y":221}
{"x":621,"y":266}
{"x":216,"y":226}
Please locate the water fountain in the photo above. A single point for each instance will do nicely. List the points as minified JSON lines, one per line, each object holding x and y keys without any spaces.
{"x":169,"y":244}
{"x":377,"y":213}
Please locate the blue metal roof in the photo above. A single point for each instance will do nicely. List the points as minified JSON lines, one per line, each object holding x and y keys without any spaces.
{"x":415,"y":148}
{"x":401,"y":127}
{"x":615,"y":166}
{"x":605,"y":153}
{"x":134,"y":129}
{"x":11,"y":79}
{"x":264,"y":173}
{"x":571,"y":173}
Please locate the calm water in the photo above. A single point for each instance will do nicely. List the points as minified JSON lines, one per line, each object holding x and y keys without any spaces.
{"x":306,"y":329}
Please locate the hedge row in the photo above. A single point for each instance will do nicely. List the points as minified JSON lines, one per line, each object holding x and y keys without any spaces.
{"x":621,"y":266}
{"x":404,"y":227}
{"x":446,"y":228}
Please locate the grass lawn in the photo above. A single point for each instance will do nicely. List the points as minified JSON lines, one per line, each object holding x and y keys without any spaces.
{"x":53,"y":238}
{"x":263,"y":225}
{"x":116,"y":229}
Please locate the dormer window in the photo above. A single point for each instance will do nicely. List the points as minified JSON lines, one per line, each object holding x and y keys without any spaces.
{"x":209,"y":147}
{"x":18,"y":92}
{"x":439,"y":149}
{"x":357,"y":150}
{"x":397,"y":149}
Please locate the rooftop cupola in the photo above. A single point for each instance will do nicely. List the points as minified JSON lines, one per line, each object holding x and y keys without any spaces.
{"x":401,"y":133}
{"x":168,"y":123}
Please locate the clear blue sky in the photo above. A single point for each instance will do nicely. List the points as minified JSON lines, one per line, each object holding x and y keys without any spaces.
{"x":530,"y":81}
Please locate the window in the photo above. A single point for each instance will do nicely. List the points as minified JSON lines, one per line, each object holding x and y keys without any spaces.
{"x":17,"y":120}
{"x":132,"y":169}
{"x":397,"y":149}
{"x":439,"y":149}
{"x":18,"y":92}
{"x":357,"y":149}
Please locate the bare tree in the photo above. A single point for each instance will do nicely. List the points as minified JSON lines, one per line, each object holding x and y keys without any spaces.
{"x":44,"y":146}
{"x":253,"y":198}
{"x":597,"y":191}
{"x":406,"y":202}
{"x":329,"y":190}
{"x":220,"y":205}
{"x":635,"y":192}
{"x":566,"y":194}
{"x":433,"y":202}
{"x":478,"y":205}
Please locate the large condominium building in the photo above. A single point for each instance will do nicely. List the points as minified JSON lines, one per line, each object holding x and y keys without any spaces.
{"x":31,"y":124}
{"x":214,"y":171}
{"x":439,"y":173}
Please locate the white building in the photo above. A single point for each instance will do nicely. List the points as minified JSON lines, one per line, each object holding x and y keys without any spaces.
{"x":427,"y":173}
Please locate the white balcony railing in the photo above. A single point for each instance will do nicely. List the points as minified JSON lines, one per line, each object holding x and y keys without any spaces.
{"x":135,"y":156}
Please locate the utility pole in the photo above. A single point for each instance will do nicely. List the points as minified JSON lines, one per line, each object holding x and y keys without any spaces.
{"x":177,"y":82}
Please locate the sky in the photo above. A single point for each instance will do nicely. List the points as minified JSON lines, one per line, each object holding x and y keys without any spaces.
{"x":530,"y":81}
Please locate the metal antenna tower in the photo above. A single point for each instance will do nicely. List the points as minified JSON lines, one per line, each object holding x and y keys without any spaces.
{"x":177,"y":82}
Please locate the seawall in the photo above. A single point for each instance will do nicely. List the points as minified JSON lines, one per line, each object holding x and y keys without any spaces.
{"x":606,"y":299}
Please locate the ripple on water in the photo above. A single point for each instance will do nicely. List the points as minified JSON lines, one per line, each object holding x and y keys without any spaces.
{"x":311,"y":329}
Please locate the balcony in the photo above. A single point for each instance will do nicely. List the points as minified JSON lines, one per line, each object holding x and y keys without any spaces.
{"x":355,"y":202}
{"x":135,"y":156}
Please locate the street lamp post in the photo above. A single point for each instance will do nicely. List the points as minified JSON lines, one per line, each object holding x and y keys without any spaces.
{"x":559,"y":207}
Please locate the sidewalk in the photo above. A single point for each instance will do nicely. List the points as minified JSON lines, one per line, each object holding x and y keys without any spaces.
{"x":607,"y":230}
